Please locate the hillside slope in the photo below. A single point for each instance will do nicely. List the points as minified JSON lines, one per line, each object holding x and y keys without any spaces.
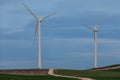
{"x":25,"y":72}
{"x":111,"y":67}
{"x":103,"y":73}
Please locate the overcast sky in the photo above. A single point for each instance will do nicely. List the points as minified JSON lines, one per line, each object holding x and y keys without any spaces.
{"x":66,"y":43}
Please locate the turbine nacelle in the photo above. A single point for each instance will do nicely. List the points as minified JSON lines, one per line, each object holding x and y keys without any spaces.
{"x":95,"y":29}
{"x":39,"y":20}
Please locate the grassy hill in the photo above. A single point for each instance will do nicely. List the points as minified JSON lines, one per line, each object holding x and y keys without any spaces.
{"x":40,"y":77}
{"x":25,"y":71}
{"x":111,"y":67}
{"x":104,"y":73}
{"x":28,"y":74}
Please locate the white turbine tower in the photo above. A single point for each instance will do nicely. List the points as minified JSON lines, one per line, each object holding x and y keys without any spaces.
{"x":38,"y":28}
{"x":95,"y":30}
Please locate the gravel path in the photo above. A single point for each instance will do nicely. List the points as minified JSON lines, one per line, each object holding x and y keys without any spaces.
{"x":51,"y":72}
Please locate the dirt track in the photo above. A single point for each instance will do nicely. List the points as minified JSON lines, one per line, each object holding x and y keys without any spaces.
{"x":51,"y":72}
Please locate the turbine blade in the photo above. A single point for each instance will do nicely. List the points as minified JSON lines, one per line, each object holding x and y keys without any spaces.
{"x":89,"y":27}
{"x":30,"y":11}
{"x":35,"y":33}
{"x":47,"y":16}
{"x":97,"y":25}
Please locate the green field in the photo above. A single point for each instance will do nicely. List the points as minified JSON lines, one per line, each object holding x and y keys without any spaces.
{"x":103,"y":73}
{"x":97,"y":75}
{"x":19,"y":77}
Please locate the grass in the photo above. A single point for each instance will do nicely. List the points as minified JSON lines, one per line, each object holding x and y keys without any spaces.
{"x":117,"y":70}
{"x":21,"y":77}
{"x":113,"y":65}
{"x":97,"y":75}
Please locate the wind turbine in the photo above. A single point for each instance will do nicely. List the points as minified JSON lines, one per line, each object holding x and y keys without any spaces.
{"x":95,"y":30}
{"x":38,"y":28}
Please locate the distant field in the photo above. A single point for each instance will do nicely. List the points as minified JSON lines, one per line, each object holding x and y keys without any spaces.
{"x":97,"y":75}
{"x":25,"y":71}
{"x":21,"y":77}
